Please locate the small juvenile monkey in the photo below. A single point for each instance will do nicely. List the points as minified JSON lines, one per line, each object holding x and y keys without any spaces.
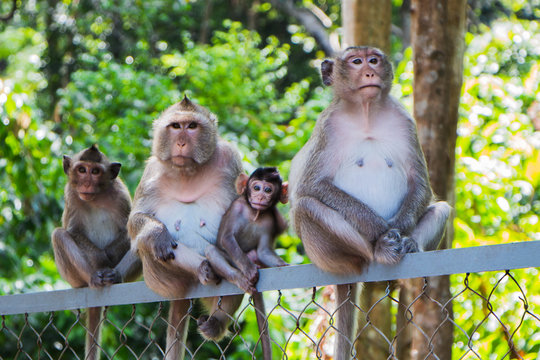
{"x":92,"y":247}
{"x":186,"y":187}
{"x":359,"y":188}
{"x":250,"y":226}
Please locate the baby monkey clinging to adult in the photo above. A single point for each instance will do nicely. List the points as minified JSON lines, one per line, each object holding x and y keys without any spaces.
{"x":248,"y":229}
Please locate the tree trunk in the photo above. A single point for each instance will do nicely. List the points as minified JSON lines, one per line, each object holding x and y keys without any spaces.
{"x":367,"y":22}
{"x":438,"y":30}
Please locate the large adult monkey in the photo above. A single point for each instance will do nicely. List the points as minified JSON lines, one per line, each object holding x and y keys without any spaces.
{"x":92,"y":247}
{"x":186,"y":187}
{"x":359,"y":188}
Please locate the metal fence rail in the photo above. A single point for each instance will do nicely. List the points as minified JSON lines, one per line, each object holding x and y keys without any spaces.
{"x":300,"y":312}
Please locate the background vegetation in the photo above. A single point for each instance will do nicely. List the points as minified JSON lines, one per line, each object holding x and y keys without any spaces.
{"x":74,"y":73}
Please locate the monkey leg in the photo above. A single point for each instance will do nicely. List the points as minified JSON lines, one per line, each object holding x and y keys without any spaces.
{"x":262,"y":324}
{"x":430,"y":228}
{"x":220,"y":263}
{"x":177,"y":329}
{"x":192,"y":262}
{"x":324,"y":232}
{"x":221,"y":310}
{"x":71,"y":260}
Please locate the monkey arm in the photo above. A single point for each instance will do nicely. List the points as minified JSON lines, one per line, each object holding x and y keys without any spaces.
{"x":266,"y":253}
{"x":418,"y":196}
{"x":355,"y":212}
{"x":151,"y":236}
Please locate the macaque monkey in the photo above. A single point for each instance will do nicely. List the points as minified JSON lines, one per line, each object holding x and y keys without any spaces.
{"x":186,"y":187}
{"x":247,"y":234}
{"x":359,"y":188}
{"x":92,"y":247}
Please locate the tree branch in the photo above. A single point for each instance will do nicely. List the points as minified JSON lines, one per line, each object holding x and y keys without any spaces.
{"x":310,"y":21}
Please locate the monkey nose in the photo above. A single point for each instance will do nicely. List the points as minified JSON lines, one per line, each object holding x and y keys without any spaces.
{"x":370,"y":75}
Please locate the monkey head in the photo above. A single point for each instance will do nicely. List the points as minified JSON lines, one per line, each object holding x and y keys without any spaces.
{"x":263,"y":189}
{"x":90,"y":172}
{"x":358,"y":73}
{"x":185,"y":135}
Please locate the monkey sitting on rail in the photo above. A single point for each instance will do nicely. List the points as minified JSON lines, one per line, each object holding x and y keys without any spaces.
{"x":92,"y":247}
{"x":359,"y":188}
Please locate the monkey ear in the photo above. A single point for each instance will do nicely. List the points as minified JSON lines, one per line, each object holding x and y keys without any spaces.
{"x":66,"y":163}
{"x":241,"y":183}
{"x":115,"y":169}
{"x":327,"y":68}
{"x":284,"y":195}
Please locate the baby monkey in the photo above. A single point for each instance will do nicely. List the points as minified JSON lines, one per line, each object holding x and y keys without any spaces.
{"x":248,"y":229}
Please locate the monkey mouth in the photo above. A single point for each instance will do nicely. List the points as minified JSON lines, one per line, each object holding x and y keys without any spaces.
{"x":368,"y":86}
{"x":180,"y":160}
{"x":87,"y":196}
{"x":259,"y":206}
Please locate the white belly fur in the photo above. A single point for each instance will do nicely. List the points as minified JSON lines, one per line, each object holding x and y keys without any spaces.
{"x":101,"y":229}
{"x":375,"y":183}
{"x":184,"y":220}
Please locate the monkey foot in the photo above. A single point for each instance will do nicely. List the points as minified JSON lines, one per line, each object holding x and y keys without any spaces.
{"x":389,"y":248}
{"x":211,"y":328}
{"x":409,"y":245}
{"x":206,"y":274}
{"x":104,"y":277}
{"x":252,"y":274}
{"x":246,"y":284}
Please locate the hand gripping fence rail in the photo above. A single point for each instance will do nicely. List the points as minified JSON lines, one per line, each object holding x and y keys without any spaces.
{"x":493,"y":315}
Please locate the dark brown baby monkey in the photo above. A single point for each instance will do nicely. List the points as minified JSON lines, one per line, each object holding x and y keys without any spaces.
{"x":246,"y":237}
{"x":92,"y":247}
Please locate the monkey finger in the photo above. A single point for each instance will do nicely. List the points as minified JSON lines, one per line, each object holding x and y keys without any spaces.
{"x":174,"y":245}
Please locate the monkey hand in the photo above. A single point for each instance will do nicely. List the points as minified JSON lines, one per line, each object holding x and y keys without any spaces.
{"x":251,"y":272}
{"x":206,"y":274}
{"x":410,"y":245}
{"x":164,"y":246}
{"x":388,"y":248}
{"x":105,"y":277}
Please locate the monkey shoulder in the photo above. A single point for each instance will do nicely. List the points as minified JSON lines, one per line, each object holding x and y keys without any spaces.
{"x":229,"y":158}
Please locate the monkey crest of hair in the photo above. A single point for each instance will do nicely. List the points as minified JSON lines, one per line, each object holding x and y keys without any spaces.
{"x":270,"y":174}
{"x":93,"y":154}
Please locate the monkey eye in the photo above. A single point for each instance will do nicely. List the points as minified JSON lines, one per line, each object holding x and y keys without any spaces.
{"x":357,"y":61}
{"x":374,"y":61}
{"x":81,"y":169}
{"x":175,"y":125}
{"x":95,"y":171}
{"x":257,"y":188}
{"x":268,"y":190}
{"x":193,"y":125}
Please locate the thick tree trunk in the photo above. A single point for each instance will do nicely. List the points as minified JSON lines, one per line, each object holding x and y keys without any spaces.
{"x":367,"y":22}
{"x":438,"y":29}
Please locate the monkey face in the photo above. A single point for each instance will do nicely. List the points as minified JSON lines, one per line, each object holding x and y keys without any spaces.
{"x":361,"y":72}
{"x":88,"y":179}
{"x":186,"y":139}
{"x":261,"y":194}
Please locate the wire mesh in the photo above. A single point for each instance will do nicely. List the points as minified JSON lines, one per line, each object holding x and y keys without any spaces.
{"x":491,"y":315}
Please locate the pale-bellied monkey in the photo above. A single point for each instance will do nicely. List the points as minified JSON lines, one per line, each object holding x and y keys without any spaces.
{"x":359,"y":188}
{"x":92,"y":247}
{"x":186,"y":187}
{"x":246,"y":236}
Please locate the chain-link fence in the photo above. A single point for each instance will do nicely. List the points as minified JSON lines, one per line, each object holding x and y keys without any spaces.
{"x":494,"y":315}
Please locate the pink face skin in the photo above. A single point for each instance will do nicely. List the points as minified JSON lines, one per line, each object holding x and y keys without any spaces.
{"x":184,"y":133}
{"x":366,"y":69}
{"x":88,"y":177}
{"x":261,"y":194}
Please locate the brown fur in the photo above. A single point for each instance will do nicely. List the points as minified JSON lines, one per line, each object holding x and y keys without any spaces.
{"x":92,"y":247}
{"x":187,"y":185}
{"x":359,"y":187}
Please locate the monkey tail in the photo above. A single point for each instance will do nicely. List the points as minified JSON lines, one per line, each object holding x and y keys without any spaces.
{"x":262,"y":323}
{"x":346,"y":320}
{"x":177,"y":329}
{"x":93,"y":333}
